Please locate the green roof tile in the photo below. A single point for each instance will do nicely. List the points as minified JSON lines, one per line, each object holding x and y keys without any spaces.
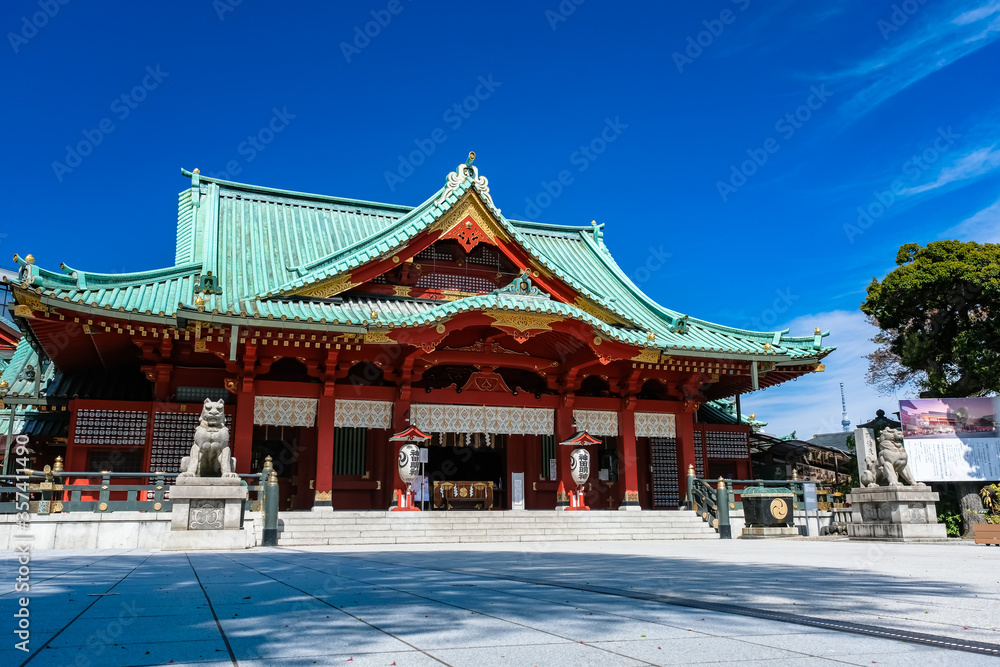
{"x":261,"y":243}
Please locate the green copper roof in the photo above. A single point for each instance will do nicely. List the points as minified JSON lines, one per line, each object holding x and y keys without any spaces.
{"x":723,"y":411}
{"x":261,"y":244}
{"x":16,"y":374}
{"x":5,"y":424}
{"x":124,"y":383}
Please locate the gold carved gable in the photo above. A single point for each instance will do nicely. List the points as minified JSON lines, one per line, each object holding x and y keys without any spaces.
{"x":471,"y":206}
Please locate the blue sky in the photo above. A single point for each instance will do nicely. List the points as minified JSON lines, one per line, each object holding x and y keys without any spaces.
{"x":756,"y":163}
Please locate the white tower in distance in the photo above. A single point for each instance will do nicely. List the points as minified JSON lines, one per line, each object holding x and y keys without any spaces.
{"x":844,"y":421}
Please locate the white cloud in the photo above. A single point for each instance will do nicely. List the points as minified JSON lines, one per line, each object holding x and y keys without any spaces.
{"x":937,"y":44}
{"x":978,"y":14}
{"x":811,"y":404}
{"x":976,"y":163}
{"x":983,"y":226}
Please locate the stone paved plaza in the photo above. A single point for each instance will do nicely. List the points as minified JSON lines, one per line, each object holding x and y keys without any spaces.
{"x":542,"y":604}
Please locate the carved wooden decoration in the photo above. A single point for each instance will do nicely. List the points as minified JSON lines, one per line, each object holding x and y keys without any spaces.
{"x":486,"y":382}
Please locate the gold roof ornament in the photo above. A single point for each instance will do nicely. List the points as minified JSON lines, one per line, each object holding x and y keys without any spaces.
{"x":817,"y":330}
{"x":196,"y":171}
{"x":753,"y":416}
{"x":374,"y":315}
{"x":651,"y":336}
{"x":199,"y":300}
{"x":767,"y":346}
{"x":30,"y":259}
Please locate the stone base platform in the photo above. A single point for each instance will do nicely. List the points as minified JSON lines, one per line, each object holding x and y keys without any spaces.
{"x":207,"y":514}
{"x":764,"y":532}
{"x":895,"y":514}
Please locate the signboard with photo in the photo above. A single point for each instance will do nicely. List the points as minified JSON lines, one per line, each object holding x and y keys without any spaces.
{"x":952,"y":439}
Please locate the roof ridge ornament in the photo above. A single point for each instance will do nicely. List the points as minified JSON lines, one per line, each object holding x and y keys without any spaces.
{"x":482,"y":186}
{"x":679,"y":326}
{"x":521,"y":286}
{"x":27,"y":272}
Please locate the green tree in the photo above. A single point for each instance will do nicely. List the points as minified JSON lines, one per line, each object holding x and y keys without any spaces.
{"x":939,"y":318}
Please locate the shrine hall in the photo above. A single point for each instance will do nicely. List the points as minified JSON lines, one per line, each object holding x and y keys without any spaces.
{"x":327,"y":325}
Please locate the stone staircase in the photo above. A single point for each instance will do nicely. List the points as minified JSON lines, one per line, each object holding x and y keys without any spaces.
{"x":350,"y":528}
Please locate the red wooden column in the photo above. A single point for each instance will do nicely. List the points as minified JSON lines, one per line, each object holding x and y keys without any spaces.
{"x":325,"y":415}
{"x":243,"y":437}
{"x":400,"y":422}
{"x":325,"y":424}
{"x":564,"y":430}
{"x":685,"y":449}
{"x":628,"y":469}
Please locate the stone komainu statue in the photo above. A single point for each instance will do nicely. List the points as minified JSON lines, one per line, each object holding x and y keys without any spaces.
{"x":890,"y":467}
{"x":210,"y":453}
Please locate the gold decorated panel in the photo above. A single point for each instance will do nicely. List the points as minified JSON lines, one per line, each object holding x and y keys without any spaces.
{"x":378,"y":338}
{"x":648,"y":355}
{"x":524,"y":321}
{"x":600,"y":313}
{"x":327,"y":288}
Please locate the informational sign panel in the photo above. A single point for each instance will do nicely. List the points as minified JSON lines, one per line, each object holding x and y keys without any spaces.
{"x":517,"y":490}
{"x":424,"y":455}
{"x":952,"y":439}
{"x":809,"y":496}
{"x":421,"y":489}
{"x":552,"y":469}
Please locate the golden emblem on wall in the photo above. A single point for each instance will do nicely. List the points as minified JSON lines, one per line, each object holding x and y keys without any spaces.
{"x":779,"y":508}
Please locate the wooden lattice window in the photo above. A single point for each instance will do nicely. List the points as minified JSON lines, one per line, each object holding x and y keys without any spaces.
{"x":548,"y":453}
{"x":456,"y":282}
{"x":350,"y":450}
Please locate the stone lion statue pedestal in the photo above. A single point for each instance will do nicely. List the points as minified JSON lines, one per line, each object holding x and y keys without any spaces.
{"x":208,"y":497}
{"x":886,"y":509}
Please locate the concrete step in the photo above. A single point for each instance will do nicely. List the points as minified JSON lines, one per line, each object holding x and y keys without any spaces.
{"x":360,"y":528}
{"x":563,"y":517}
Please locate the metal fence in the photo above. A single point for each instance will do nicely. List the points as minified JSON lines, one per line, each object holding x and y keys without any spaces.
{"x":56,"y":491}
{"x":713,"y":500}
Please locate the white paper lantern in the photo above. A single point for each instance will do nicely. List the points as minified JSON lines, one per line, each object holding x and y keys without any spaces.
{"x":579,"y":465}
{"x":409,"y":463}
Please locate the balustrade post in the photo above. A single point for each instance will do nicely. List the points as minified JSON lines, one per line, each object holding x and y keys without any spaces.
{"x":270,"y":536}
{"x":105,"y":495}
{"x":158,"y":491}
{"x":690,"y":489}
{"x":722,"y":505}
